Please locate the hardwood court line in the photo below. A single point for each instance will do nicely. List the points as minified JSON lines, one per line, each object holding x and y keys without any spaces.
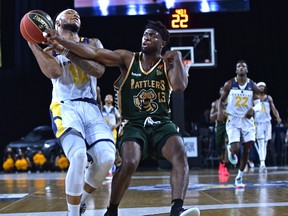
{"x":156,"y":210}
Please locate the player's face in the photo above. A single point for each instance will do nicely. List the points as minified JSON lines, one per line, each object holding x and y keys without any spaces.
{"x":70,"y":20}
{"x":241,"y":68}
{"x":151,"y":41}
{"x":261,"y":88}
{"x":109,"y":99}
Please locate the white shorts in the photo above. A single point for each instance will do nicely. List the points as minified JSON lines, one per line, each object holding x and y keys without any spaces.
{"x":238,"y":128}
{"x":264,"y":130}
{"x":82,"y":116}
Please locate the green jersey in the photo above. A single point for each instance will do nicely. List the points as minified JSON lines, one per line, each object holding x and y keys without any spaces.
{"x":143,"y":94}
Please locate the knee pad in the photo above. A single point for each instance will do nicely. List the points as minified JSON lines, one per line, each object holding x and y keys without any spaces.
{"x":75,"y":150}
{"x":103,"y":154}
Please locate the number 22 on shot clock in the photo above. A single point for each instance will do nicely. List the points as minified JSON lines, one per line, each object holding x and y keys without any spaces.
{"x":179,"y":19}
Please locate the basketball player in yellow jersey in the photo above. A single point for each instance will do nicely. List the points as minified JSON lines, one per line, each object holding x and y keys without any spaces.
{"x":76,"y":120}
{"x":144,"y":87}
{"x":263,"y":124}
{"x":241,"y":94}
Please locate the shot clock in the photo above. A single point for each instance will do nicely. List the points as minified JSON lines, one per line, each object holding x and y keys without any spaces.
{"x":179,"y":18}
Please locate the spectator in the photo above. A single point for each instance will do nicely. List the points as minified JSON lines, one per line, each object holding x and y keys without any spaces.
{"x":9,"y":161}
{"x":40,"y":162}
{"x":61,"y":162}
{"x":23,"y":163}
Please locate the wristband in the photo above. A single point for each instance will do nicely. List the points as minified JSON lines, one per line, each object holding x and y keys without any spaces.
{"x":65,"y":52}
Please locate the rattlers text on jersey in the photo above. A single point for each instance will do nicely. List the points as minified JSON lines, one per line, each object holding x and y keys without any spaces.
{"x":240,"y":98}
{"x":144,"y":93}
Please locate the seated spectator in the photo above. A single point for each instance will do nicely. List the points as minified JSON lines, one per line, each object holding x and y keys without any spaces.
{"x":61,"y":162}
{"x":23,"y":163}
{"x":40,"y":162}
{"x":9,"y":161}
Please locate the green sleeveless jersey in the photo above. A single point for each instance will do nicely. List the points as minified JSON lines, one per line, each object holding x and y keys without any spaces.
{"x":142,"y":94}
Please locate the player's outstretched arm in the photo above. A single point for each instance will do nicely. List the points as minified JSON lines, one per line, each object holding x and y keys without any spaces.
{"x":89,"y":66}
{"x":87,"y":51}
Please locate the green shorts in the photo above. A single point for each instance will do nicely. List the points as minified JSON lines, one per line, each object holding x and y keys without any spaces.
{"x":221,"y":136}
{"x":151,"y":138}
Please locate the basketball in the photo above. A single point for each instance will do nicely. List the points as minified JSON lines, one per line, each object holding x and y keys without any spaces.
{"x":33,"y":24}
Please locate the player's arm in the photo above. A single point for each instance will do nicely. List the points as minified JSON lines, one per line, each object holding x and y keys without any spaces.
{"x":118,"y":119}
{"x":47,"y":63}
{"x":274,"y":110}
{"x":256,"y":102}
{"x":176,"y":72}
{"x":89,"y":66}
{"x":99,"y":99}
{"x":213,"y":111}
{"x":87,"y":51}
{"x":222,"y":99}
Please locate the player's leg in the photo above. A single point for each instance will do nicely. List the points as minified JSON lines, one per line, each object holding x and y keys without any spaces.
{"x":131,"y":152}
{"x":75,"y":149}
{"x":262,"y":145}
{"x":248,"y":135}
{"x":131,"y":155}
{"x":174,"y":151}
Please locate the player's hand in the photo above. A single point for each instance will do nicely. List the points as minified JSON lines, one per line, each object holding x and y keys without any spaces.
{"x":171,"y":55}
{"x":278,"y":120}
{"x":250,"y":113}
{"x":50,"y":33}
{"x":220,"y":117}
{"x":54,"y":46}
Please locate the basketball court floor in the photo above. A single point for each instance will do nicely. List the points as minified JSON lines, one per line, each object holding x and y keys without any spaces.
{"x":42,"y":194}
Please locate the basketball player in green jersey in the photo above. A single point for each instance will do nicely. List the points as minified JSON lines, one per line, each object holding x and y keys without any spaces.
{"x":144,"y":87}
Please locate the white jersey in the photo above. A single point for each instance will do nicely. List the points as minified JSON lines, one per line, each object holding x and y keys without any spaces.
{"x":263,"y":115}
{"x":240,"y":98}
{"x":110,"y":115}
{"x":74,"y":82}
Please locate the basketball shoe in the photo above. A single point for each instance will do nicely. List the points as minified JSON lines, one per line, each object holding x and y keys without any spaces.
{"x":186,"y":212}
{"x":111,"y":212}
{"x":82,"y":208}
{"x":220,"y":169}
{"x":262,"y":169}
{"x":239,"y":183}
{"x":232,"y":157}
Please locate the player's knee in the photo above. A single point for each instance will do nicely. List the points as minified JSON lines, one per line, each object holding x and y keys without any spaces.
{"x":129,"y":165}
{"x":107,"y":159}
{"x":75,"y":174}
{"x":79,"y":157}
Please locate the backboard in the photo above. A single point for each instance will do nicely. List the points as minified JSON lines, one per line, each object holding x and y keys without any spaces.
{"x":197,"y":45}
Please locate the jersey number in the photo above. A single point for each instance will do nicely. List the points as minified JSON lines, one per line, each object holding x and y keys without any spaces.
{"x":78,"y":75}
{"x":161,"y":97}
{"x":241,"y":101}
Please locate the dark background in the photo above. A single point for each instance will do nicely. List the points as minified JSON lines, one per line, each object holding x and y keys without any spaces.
{"x":259,"y":37}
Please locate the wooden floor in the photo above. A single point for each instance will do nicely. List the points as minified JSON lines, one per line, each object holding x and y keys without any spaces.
{"x":42,"y":194}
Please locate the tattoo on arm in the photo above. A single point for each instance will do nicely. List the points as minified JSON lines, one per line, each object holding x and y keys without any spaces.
{"x":91,"y":67}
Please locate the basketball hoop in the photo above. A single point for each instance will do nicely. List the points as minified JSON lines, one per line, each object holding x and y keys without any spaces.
{"x":187,"y":64}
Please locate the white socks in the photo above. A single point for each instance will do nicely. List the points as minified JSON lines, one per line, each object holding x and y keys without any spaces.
{"x":73,"y":210}
{"x":84,"y":197}
{"x":240,"y":174}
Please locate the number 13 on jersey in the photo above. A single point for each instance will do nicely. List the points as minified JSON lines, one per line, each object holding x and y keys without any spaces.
{"x":179,"y":19}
